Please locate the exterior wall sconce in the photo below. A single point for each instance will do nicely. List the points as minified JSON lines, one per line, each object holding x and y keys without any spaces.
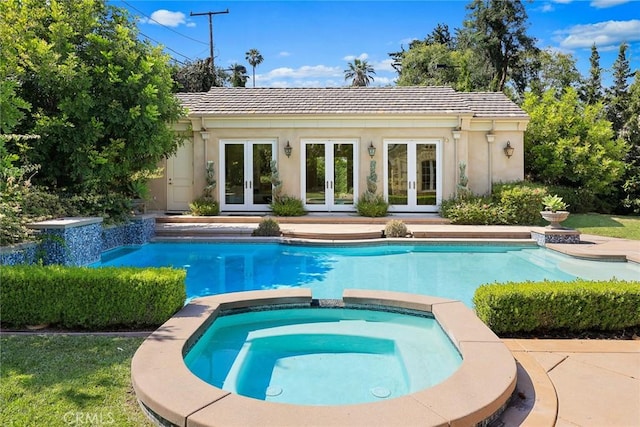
{"x":508,"y":150}
{"x":287,"y":149}
{"x":371,"y":149}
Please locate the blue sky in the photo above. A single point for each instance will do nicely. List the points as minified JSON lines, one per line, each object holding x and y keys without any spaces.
{"x":309,"y":43}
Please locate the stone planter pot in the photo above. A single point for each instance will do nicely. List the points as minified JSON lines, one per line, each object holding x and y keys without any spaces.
{"x":554,"y":218}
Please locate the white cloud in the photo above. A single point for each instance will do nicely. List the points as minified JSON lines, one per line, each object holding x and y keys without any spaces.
{"x":547,"y":7}
{"x":603,"y":34}
{"x":562,"y":1}
{"x":284,"y":54}
{"x":304,"y":72}
{"x":361,"y":57}
{"x":384,"y":65}
{"x":602,"y":4}
{"x":167,"y":18}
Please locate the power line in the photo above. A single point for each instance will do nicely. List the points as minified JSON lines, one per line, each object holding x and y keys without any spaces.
{"x":162,"y":25}
{"x":168,"y":48}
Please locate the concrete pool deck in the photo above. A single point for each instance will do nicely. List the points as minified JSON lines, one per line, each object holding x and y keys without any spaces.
{"x":560,"y":382}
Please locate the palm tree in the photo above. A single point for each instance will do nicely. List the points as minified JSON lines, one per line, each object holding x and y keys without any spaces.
{"x":239,"y":75}
{"x":254,"y":58}
{"x":360,"y":72}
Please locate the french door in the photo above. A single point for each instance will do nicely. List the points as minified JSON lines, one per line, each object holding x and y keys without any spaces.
{"x":246,"y":174}
{"x":413,"y":175}
{"x":329,"y":180}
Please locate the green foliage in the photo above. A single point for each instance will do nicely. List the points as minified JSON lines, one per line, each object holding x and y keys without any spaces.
{"x":474,"y":211}
{"x":372,"y":205}
{"x":268,"y":227}
{"x":288,"y":206}
{"x":395,"y":228}
{"x":521,"y":201}
{"x":572,"y":306}
{"x":572,"y":144}
{"x":90,"y":298}
{"x":360,"y":72}
{"x":203,"y":206}
{"x":553,"y":203}
{"x":100,"y":98}
{"x":194,"y":76}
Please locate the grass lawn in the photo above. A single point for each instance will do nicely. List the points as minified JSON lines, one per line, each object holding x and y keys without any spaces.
{"x":626,"y":227}
{"x":68,"y":380}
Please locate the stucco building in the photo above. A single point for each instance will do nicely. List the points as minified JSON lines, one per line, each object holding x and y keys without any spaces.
{"x":324,"y":140}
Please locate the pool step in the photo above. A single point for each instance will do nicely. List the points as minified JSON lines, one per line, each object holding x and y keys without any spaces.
{"x":306,"y":219}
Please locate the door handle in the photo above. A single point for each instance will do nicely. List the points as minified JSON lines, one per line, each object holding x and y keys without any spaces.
{"x":250,"y":184}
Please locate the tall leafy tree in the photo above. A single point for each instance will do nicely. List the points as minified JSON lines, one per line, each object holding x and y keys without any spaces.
{"x":239,"y":75}
{"x":631,"y":134}
{"x":100,"y":99}
{"x":570,"y":143}
{"x":556,"y":71}
{"x":618,"y":94}
{"x":592,"y":88}
{"x":498,"y":30}
{"x":359,"y":72}
{"x":194,"y":76}
{"x":254,"y":58}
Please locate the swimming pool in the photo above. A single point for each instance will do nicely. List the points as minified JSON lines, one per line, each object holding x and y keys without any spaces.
{"x":439,"y":270}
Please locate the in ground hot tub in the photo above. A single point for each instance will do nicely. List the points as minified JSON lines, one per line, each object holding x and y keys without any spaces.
{"x":229,"y":360}
{"x":325,"y":355}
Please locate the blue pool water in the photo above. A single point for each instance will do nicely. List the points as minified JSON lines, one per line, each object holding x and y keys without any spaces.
{"x":323,"y":356}
{"x":446,"y":271}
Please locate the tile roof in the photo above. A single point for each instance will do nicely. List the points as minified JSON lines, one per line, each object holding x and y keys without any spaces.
{"x":415,"y":100}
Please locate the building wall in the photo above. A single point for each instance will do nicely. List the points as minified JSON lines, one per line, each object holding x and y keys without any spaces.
{"x":486,"y":162}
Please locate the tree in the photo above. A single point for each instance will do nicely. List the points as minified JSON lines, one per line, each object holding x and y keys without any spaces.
{"x":100,"y":99}
{"x":556,"y":71}
{"x":592,"y":88}
{"x":359,"y":72}
{"x":497,"y":29}
{"x":239,"y":75}
{"x":254,"y":58}
{"x":631,"y":134}
{"x":195,"y":76}
{"x":618,"y":94}
{"x":570,"y":143}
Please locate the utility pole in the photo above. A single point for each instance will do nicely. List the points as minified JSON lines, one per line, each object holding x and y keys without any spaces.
{"x":213,"y":70}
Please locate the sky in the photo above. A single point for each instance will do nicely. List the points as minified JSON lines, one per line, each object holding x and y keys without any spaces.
{"x":309,"y":43}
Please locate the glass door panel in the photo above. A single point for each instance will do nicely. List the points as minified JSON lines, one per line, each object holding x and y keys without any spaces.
{"x":234,"y":172}
{"x":426,"y":174}
{"x":397,"y":174}
{"x":315,"y":182}
{"x":261,"y":165}
{"x":343,"y":174}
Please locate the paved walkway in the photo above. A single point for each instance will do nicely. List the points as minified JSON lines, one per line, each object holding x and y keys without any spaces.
{"x":560,"y":382}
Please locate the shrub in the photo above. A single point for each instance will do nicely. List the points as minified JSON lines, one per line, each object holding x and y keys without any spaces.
{"x":90,"y":298}
{"x":268,"y":227}
{"x":288,"y":206}
{"x":551,"y":305}
{"x":203,"y":206}
{"x":475,"y":211}
{"x":521,"y":202}
{"x":579,"y":200}
{"x":372,"y":205}
{"x":396,"y":228}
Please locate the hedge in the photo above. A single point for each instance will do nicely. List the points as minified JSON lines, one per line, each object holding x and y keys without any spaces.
{"x":90,"y":298}
{"x":575,"y":306}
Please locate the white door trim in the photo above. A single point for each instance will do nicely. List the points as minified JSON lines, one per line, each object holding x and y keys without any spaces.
{"x":248,"y":205}
{"x":329,"y":205}
{"x":412,"y":205}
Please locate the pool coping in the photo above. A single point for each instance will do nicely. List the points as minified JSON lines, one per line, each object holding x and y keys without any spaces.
{"x":476,"y":393}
